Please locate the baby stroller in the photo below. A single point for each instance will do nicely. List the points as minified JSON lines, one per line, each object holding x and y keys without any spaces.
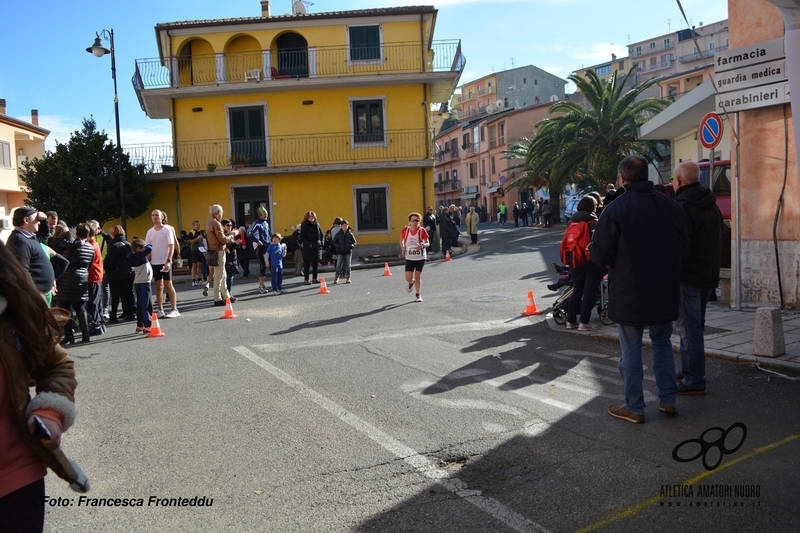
{"x":561,"y":303}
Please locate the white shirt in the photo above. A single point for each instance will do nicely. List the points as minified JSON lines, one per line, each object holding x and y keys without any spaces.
{"x":160,"y":240}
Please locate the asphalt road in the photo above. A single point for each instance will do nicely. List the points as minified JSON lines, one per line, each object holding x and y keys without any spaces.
{"x":363,"y":411}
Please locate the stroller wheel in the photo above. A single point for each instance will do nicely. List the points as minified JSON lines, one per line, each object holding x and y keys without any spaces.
{"x":560,"y":316}
{"x":605,"y":319}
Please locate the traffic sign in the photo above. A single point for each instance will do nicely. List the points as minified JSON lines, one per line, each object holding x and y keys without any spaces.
{"x":710,"y":130}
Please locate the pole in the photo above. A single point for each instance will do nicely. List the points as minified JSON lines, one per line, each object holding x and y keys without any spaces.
{"x":119,"y":146}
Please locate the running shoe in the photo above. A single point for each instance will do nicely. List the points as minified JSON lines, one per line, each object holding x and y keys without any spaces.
{"x":262,"y":290}
{"x":205,"y":289}
{"x":160,"y":313}
{"x":419,"y":298}
{"x":410,"y":286}
{"x":173,"y":313}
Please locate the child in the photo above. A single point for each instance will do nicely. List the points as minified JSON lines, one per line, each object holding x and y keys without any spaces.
{"x":143,"y":275}
{"x":275,"y":254}
{"x":327,"y":246}
{"x":231,"y":261}
{"x":343,"y":243}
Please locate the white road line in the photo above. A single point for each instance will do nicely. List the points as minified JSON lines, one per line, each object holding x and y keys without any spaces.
{"x":493,"y":325}
{"x":422,"y":464}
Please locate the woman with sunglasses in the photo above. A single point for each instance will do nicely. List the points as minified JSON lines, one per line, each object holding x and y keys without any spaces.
{"x":413,"y":242}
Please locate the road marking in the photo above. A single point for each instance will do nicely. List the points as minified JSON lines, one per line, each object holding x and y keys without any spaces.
{"x":632,"y":510}
{"x":432,"y":330}
{"x":420,"y":463}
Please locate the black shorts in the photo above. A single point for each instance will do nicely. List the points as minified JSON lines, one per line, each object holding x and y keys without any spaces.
{"x":417,"y":265}
{"x":159,"y":274}
{"x":197,"y":256}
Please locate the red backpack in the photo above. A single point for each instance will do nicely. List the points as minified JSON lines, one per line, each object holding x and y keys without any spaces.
{"x":574,"y":244}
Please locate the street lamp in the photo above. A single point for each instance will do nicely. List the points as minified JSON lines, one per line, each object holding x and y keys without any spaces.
{"x":98,"y":50}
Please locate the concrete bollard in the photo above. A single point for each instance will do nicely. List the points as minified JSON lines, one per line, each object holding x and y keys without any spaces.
{"x":768,"y":333}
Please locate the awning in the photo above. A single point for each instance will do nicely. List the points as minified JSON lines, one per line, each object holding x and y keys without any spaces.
{"x":492,"y":190}
{"x":681,"y":117}
{"x":469,"y":196}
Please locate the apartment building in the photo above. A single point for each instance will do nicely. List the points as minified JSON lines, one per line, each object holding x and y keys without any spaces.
{"x":329,"y":112}
{"x":606,"y":69}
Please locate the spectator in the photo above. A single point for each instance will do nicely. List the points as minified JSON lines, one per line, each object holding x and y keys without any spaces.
{"x":162,"y":239}
{"x":472,"y":224}
{"x":197,"y":257}
{"x":311,"y":240}
{"x":243,"y":251}
{"x":699,"y":272}
{"x":446,"y":229}
{"x":217,"y":241}
{"x":143,"y":276}
{"x":73,"y":285}
{"x":23,"y":243}
{"x":585,"y":278}
{"x":429,"y":223}
{"x":642,"y":238}
{"x":524,"y":214}
{"x":231,"y":259}
{"x":276,"y":251}
{"x":343,"y":243}
{"x":30,"y":354}
{"x":120,"y":276}
{"x":515,"y":212}
{"x":547,"y":213}
{"x":259,"y":239}
{"x":94,"y":306}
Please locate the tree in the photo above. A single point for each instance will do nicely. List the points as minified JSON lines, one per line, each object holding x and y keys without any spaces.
{"x":79,"y":180}
{"x":584,"y":145}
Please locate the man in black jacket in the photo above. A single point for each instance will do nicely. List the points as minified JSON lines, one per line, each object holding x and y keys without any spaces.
{"x":641,"y":236}
{"x":429,"y":223}
{"x":699,"y":272}
{"x":25,"y":246}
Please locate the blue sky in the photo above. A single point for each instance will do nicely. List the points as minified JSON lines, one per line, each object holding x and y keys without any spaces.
{"x":46,"y":67}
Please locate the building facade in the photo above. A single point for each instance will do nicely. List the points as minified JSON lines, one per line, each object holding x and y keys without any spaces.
{"x":329,"y":112}
{"x":19,"y":141}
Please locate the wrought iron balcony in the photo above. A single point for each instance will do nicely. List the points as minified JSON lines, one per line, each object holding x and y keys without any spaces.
{"x":282,"y":151}
{"x":313,"y":62}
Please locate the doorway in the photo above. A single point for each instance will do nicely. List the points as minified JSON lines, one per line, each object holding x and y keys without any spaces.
{"x":247,"y":201}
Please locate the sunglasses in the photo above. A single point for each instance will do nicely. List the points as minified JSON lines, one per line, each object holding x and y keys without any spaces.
{"x":414,"y":220}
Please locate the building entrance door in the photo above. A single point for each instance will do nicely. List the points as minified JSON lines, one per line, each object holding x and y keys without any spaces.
{"x":247,"y":201}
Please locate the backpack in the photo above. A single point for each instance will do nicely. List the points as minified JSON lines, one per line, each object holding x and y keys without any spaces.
{"x":574,"y":244}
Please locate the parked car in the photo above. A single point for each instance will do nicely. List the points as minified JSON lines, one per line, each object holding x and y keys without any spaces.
{"x":571,"y":209}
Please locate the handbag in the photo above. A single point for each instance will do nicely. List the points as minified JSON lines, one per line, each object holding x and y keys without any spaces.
{"x":212,"y":258}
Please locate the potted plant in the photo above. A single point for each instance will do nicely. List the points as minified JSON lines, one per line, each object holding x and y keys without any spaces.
{"x":239,"y":161}
{"x":211,"y":167}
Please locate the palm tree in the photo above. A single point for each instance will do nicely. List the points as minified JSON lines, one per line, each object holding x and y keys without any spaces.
{"x":585,"y":144}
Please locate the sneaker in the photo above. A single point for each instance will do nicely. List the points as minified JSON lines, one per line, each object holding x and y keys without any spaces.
{"x":685,"y":390}
{"x":276,"y":291}
{"x":572,"y":325}
{"x":587,"y":327}
{"x":419,"y":298}
{"x":410,"y":286}
{"x":669,"y":408}
{"x":348,"y":280}
{"x":146,"y":331}
{"x":173,"y":313}
{"x":160,"y":313}
{"x":621,"y":412}
{"x":262,"y":290}
{"x":139,"y":329}
{"x":205,"y":289}
{"x":336,"y":280}
{"x":194,"y":283}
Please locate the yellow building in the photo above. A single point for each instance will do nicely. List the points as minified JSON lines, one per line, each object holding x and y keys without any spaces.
{"x":605,"y":70}
{"x":327,"y":112}
{"x":19,"y":140}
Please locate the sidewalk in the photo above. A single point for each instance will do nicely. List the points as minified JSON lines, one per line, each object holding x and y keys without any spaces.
{"x":729,"y":335}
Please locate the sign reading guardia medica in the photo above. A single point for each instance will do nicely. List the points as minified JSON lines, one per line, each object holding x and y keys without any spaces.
{"x":751,"y":76}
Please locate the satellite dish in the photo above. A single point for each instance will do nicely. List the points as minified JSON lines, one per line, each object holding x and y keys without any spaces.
{"x":490,"y":108}
{"x":700,"y":23}
{"x":553,"y":98}
{"x":499,"y":104}
{"x":299,"y":7}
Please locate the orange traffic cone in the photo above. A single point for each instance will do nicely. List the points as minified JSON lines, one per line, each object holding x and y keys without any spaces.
{"x":229,"y":310}
{"x":386,"y":271}
{"x":447,"y":256}
{"x":323,"y":287}
{"x":155,"y":329}
{"x":531,"y":307}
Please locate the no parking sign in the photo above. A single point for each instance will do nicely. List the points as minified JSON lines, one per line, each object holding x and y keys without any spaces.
{"x":710,"y":130}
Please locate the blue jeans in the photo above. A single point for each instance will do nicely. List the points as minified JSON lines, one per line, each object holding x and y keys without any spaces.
{"x":690,"y":328}
{"x":343,"y":265}
{"x":630,"y":364}
{"x":445,"y":244}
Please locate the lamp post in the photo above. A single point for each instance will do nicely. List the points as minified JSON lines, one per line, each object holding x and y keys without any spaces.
{"x":98,"y":50}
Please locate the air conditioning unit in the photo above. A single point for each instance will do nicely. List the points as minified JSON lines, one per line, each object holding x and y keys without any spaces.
{"x":488,"y":183}
{"x":464,"y":190}
{"x":5,"y":223}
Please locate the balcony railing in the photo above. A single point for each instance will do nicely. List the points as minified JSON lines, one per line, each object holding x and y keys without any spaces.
{"x":697,"y":56}
{"x":295,"y":150}
{"x":487,"y":90}
{"x":455,"y":184}
{"x":314,"y":62}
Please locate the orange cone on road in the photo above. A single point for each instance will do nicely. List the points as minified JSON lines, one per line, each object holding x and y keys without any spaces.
{"x":386,"y":271}
{"x":531,"y":307}
{"x":155,"y":329}
{"x":323,"y":287}
{"x":229,"y":310}
{"x":447,"y":256}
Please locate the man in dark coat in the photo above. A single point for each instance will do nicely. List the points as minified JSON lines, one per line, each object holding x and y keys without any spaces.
{"x":24,"y":243}
{"x":699,"y":273}
{"x":641,"y":237}
{"x":429,"y":223}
